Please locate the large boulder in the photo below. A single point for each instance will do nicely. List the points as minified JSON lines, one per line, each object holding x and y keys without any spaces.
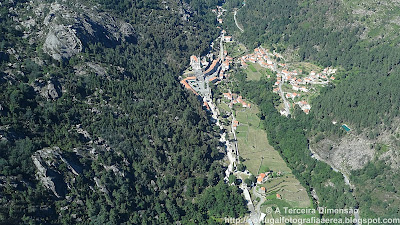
{"x":62,"y":42}
{"x":48,"y":162}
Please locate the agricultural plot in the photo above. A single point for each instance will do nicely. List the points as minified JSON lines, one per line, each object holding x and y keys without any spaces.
{"x":254,"y":71}
{"x":259,"y":157}
{"x":253,"y":144}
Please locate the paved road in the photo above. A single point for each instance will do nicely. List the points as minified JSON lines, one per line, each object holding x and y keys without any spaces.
{"x":221,"y":47}
{"x":286,"y":103}
{"x":262,"y":200}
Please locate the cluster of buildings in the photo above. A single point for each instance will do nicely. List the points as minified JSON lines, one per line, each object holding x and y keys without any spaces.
{"x":261,"y":56}
{"x":266,"y":59}
{"x":304,"y":106}
{"x":205,"y":72}
{"x":234,"y":98}
{"x":298,"y":83}
{"x":262,"y":178}
{"x":226,"y":65}
{"x":216,"y":70}
{"x":226,"y":38}
{"x":235,"y":124}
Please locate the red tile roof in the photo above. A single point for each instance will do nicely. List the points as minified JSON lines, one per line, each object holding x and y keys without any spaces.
{"x":214,"y":63}
{"x":278,"y":196}
{"x":184,"y":82}
{"x":261,"y":177}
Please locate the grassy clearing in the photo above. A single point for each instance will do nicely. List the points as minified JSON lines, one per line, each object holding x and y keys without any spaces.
{"x":254,"y":71}
{"x":253,"y":143}
{"x":235,"y":49}
{"x":290,"y":189}
{"x":251,"y":67}
{"x":281,"y":208}
{"x":223,"y":105}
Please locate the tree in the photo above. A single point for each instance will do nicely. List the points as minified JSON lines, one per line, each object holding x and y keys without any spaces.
{"x":241,"y":167}
{"x":232,"y":179}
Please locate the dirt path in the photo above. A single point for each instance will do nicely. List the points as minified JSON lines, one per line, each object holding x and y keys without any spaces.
{"x":234,"y":17}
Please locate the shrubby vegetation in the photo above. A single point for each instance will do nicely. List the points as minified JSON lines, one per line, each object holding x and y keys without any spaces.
{"x":377,"y":187}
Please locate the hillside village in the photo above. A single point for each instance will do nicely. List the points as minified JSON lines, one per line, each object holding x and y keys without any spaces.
{"x":298,"y":82}
{"x":293,"y":86}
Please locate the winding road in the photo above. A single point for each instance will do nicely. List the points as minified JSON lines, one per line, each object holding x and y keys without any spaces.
{"x":234,"y":17}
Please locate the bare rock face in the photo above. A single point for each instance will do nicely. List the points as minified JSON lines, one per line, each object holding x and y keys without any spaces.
{"x":350,"y":153}
{"x":52,"y":92}
{"x":354,"y":151}
{"x":68,"y":28}
{"x":44,"y":160}
{"x":62,"y":42}
{"x":48,"y":162}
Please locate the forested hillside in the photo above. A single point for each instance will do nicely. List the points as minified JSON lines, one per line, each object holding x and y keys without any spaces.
{"x":95,"y":128}
{"x":365,"y":94}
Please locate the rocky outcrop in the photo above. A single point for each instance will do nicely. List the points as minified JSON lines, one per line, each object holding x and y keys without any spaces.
{"x":45,"y":160}
{"x":101,"y":186}
{"x":50,"y":90}
{"x":62,"y":42}
{"x":349,"y":154}
{"x":68,"y":28}
{"x":48,"y":162}
{"x":353,"y":151}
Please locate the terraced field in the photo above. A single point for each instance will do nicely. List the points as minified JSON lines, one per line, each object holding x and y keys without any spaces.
{"x":260,"y":157}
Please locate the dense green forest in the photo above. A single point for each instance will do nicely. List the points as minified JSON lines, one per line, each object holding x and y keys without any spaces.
{"x":374,"y":181}
{"x":159,"y":136}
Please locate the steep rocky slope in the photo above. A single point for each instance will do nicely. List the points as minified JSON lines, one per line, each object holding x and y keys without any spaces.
{"x":67,"y":28}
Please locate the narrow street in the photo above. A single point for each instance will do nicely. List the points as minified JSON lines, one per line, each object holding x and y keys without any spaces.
{"x":285,"y":101}
{"x":231,"y":146}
